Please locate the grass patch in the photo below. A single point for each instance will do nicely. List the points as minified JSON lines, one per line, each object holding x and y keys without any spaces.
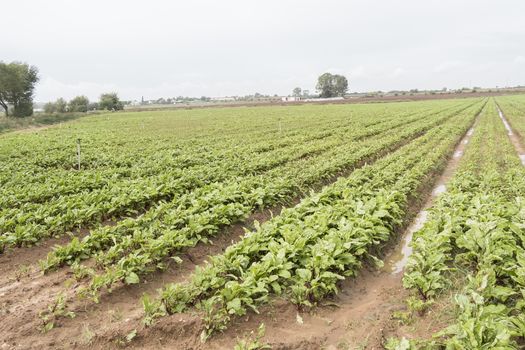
{"x":37,"y":120}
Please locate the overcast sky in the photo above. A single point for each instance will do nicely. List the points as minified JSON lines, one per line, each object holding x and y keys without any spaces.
{"x":160,"y":48}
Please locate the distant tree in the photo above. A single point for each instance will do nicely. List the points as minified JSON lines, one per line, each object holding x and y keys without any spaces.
{"x":61,"y":105}
{"x":111,"y":102}
{"x":325,"y":85}
{"x":331,"y":85}
{"x":297,"y":92}
{"x":78,"y":104}
{"x":341,"y":85}
{"x":93,"y":106}
{"x":17,"y":84}
{"x":50,"y":107}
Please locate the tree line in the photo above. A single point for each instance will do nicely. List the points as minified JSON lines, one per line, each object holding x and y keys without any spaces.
{"x":18,"y":80}
{"x":17,"y":85}
{"x":109,"y":101}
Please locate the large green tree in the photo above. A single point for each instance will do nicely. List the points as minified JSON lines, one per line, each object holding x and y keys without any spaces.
{"x":331,"y":85}
{"x":79,"y":104}
{"x":17,"y":85}
{"x":110,"y":101}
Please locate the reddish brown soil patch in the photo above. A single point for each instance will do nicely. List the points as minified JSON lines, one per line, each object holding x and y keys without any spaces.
{"x":106,"y":323}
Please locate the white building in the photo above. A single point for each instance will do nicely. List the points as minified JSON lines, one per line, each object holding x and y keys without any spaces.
{"x":325,"y":99}
{"x":222,"y":99}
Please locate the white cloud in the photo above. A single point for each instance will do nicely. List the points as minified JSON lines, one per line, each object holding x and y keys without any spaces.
{"x":519,"y":59}
{"x":357,"y":72}
{"x":398,"y":72}
{"x":448,"y":66}
{"x":205,"y":47}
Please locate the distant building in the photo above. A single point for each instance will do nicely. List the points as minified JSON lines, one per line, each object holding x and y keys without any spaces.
{"x":222,"y":99}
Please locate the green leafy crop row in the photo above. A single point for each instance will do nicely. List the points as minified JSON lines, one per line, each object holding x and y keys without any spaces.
{"x":137,"y":246}
{"x":477,"y":229}
{"x":304,"y":252}
{"x":28,"y":222}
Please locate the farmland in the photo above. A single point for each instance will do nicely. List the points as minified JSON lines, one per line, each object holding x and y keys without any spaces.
{"x":197,"y":229}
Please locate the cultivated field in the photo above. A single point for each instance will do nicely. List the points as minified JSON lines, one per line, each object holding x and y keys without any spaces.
{"x":397,"y":225}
